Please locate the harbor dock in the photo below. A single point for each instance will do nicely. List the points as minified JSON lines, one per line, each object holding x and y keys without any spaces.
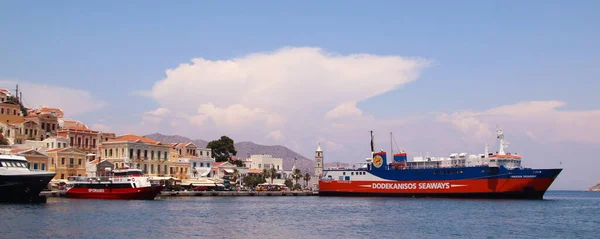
{"x":211,"y":193}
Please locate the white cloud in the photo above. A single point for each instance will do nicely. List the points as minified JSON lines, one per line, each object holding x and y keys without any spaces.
{"x":73,"y":102}
{"x":275,"y":135}
{"x":538,"y":120}
{"x":291,"y":90}
{"x":344,"y":110}
{"x":102,"y":128}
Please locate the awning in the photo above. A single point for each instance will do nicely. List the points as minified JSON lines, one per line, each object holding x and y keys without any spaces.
{"x":202,"y":171}
{"x":228,"y":170}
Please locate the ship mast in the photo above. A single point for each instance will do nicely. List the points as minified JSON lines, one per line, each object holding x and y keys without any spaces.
{"x":503,"y":143}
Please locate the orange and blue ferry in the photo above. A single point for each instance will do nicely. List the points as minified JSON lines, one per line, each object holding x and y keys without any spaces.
{"x":498,"y":175}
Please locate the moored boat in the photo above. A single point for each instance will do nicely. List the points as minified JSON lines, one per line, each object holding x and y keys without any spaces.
{"x":20,"y":184}
{"x":487,"y":175}
{"x":121,"y":184}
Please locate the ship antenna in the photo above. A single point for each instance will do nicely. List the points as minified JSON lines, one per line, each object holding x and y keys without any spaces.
{"x":372,"y":146}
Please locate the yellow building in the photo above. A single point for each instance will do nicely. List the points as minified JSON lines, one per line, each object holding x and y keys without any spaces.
{"x":36,"y":160}
{"x":67,"y":162}
{"x":151,"y":156}
{"x":10,"y":112}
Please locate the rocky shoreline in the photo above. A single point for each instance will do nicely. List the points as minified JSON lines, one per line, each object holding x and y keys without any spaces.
{"x":594,"y":188}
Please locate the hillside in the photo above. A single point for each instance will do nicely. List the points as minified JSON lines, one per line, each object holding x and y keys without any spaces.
{"x":594,"y":188}
{"x":245,"y":149}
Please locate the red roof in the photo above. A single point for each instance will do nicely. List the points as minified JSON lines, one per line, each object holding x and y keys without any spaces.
{"x":133,"y":138}
{"x":18,"y":150}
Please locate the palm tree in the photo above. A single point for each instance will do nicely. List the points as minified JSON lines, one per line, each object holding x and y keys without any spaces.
{"x":266,"y":174}
{"x":234,"y":176}
{"x":306,"y":179}
{"x":272,"y":173}
{"x":297,"y":175}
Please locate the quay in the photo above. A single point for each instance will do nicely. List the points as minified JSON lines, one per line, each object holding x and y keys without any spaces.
{"x":210,"y":193}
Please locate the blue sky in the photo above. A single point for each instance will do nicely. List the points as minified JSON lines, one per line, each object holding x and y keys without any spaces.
{"x":483,"y":54}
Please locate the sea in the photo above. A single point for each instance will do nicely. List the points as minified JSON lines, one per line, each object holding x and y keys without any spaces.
{"x":562,"y":214}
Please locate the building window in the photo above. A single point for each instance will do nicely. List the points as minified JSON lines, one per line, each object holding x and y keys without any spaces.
{"x":145,"y":154}
{"x":52,"y":161}
{"x":69,"y":144}
{"x":208,"y":165}
{"x":26,"y":131}
{"x":53,"y":126}
{"x":152,"y":155}
{"x":71,"y":162}
{"x":43,"y":126}
{"x":123,"y":152}
{"x":110,"y":152}
{"x":194,"y":164}
{"x":79,"y":162}
{"x":62,"y":176}
{"x":43,"y":166}
{"x":47,"y":145}
{"x":86,"y":142}
{"x":130,"y":153}
{"x":62,"y":161}
{"x":138,"y":153}
{"x":14,"y":112}
{"x":201,"y":165}
{"x":2,"y":111}
{"x":64,"y":145}
{"x":93,"y":143}
{"x":152,"y":168}
{"x":165,"y":155}
{"x":35,"y":166}
{"x":145,"y":168}
{"x":78,"y":142}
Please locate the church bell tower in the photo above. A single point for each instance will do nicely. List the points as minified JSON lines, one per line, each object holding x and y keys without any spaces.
{"x":319,"y":162}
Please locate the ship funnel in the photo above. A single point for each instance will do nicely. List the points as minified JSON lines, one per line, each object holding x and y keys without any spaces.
{"x":400,"y":157}
{"x":379,"y":161}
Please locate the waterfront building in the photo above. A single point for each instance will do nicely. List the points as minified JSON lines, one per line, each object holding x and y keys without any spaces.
{"x":66,"y":123}
{"x":98,"y":168}
{"x":222,"y":169}
{"x":4,"y":94}
{"x":17,"y":132}
{"x":67,"y":162}
{"x":179,"y":168}
{"x":36,"y":160}
{"x":319,"y":162}
{"x":151,"y":156}
{"x":83,"y":138}
{"x":10,"y":112}
{"x":263,"y":161}
{"x":47,"y":122}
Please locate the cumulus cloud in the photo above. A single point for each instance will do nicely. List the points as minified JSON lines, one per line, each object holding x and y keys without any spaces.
{"x":538,"y":120}
{"x":291,"y":91}
{"x":73,"y":102}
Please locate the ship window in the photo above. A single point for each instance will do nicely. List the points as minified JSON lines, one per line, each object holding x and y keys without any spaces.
{"x":344,"y":173}
{"x":352,"y":173}
{"x":3,"y":164}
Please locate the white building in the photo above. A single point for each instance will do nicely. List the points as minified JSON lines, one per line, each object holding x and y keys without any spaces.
{"x":200,"y":167}
{"x":263,"y":161}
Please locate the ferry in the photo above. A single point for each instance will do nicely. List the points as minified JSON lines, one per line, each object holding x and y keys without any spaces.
{"x":20,"y":184}
{"x":488,"y":175}
{"x":122,"y":183}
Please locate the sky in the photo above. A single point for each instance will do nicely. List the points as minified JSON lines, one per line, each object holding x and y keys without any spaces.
{"x":440,"y":75}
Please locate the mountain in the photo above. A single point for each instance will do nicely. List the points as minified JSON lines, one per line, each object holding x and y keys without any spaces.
{"x":245,"y":149}
{"x":594,"y":188}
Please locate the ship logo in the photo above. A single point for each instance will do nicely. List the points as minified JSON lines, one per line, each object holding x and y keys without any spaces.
{"x":377,"y":161}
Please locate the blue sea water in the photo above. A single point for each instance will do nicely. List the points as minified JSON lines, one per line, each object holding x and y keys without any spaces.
{"x":563,"y":214}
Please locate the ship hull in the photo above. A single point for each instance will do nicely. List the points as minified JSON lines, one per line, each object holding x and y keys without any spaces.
{"x":144,"y":193}
{"x":521,"y":184}
{"x":23,"y":187}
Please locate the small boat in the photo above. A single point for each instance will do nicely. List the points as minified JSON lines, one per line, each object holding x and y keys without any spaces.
{"x":20,"y":184}
{"x":123,"y":183}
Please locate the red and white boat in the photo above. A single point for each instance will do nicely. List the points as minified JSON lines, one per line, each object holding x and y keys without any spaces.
{"x":122,"y":184}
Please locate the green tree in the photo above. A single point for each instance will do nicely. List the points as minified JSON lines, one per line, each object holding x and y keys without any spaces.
{"x":306,"y":180}
{"x":235,"y":176}
{"x":3,"y":141}
{"x":222,"y":149}
{"x":288,"y":183}
{"x":14,"y":100}
{"x":296,"y":175}
{"x":272,"y":173}
{"x":266,"y":173}
{"x":252,"y":181}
